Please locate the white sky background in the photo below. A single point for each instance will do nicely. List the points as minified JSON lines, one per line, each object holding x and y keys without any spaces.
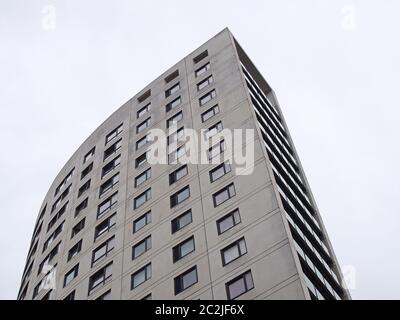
{"x":337,"y":80}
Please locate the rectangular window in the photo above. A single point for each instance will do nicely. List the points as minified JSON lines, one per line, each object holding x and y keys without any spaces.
{"x":220,"y":171}
{"x":58,"y":202}
{"x":181,"y":221}
{"x":111,"y":166}
{"x":176,"y":136}
{"x":205,"y":83}
{"x":185,"y":280}
{"x":89,"y":155}
{"x":207,"y":97}
{"x":109,"y":184}
{"x":144,"y":96}
{"x":233,"y":251}
{"x":175,"y":155}
{"x":70,"y":296}
{"x":224,"y":195}
{"x":141,"y":142}
{"x":179,"y":196}
{"x":113,"y":134}
{"x":100,"y":278}
{"x":64,"y":182}
{"x":175,"y":118}
{"x":142,"y":199}
{"x":83,"y":188}
{"x":105,"y":296}
{"x":71,"y":275}
{"x":53,"y":236}
{"x":172,"y":90}
{"x":216,"y":150}
{"x":86,"y":171}
{"x":202,"y":69}
{"x":83,"y":205}
{"x":57,"y":216}
{"x":213,"y":130}
{"x":103,"y":250}
{"x":143,"y":177}
{"x":172,"y":76}
{"x":142,"y":111}
{"x":178,"y":174}
{"x":200,"y":56}
{"x":77,"y":228}
{"x":107,"y":205}
{"x":142,"y":221}
{"x":183,"y":249}
{"x":141,"y":160}
{"x":112,"y":149}
{"x":105,"y":226}
{"x":209,"y":113}
{"x":228,"y":221}
{"x":239,"y":285}
{"x":173,"y":104}
{"x":141,"y":247}
{"x":74,"y":250}
{"x":143,"y":125}
{"x":141,"y":276}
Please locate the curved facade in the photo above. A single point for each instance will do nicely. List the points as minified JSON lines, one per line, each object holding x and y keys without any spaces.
{"x":113,"y":227}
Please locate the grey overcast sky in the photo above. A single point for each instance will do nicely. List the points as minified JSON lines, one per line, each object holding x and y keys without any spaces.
{"x":333,"y":64}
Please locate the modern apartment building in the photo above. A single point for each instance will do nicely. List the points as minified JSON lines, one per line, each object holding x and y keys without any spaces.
{"x":112,"y":226}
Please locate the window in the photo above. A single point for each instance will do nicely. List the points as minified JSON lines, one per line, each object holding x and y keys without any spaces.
{"x":105,"y":226}
{"x":49,"y":257}
{"x":142,"y":199}
{"x":111,"y":166}
{"x":64,"y":182}
{"x":172,"y":90}
{"x":113,"y":134}
{"x":60,"y":198}
{"x":202,"y":69}
{"x":53,"y":236}
{"x":112,"y":149}
{"x":70,"y":296}
{"x":89,"y":155}
{"x":173,"y":104}
{"x":141,"y":160}
{"x":142,"y":221}
{"x":178,"y":174}
{"x":228,"y":221}
{"x":216,"y":149}
{"x":143,"y":125}
{"x":143,"y":110}
{"x":206,"y":82}
{"x":175,"y":118}
{"x":147,"y":297}
{"x":77,"y":228}
{"x":180,"y":196}
{"x":185,"y":280}
{"x":233,"y":251}
{"x":181,"y":221}
{"x":220,"y":171}
{"x":109,"y":184}
{"x":176,"y":136}
{"x":81,"y":206}
{"x":209,"y":113}
{"x":175,"y":155}
{"x":143,"y":177}
{"x":213,"y":130}
{"x":141,"y":142}
{"x":103,"y":250}
{"x":183,"y":249}
{"x":144,"y":96}
{"x":107,"y":205}
{"x":200,"y":57}
{"x":86,"y":171}
{"x":223,"y":195}
{"x":100,"y":278}
{"x":105,"y":296}
{"x":172,"y":76}
{"x":141,"y":276}
{"x":239,"y":285}
{"x":57,"y":216}
{"x":71,"y":275}
{"x":75,"y":250}
{"x":207,"y":97}
{"x":141,"y":247}
{"x":83,"y":188}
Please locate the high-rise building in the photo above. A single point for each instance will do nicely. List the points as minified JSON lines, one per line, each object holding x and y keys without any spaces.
{"x":112,"y":226}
